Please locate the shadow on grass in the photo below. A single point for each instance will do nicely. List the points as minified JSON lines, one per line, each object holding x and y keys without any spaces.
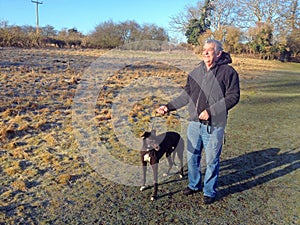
{"x":247,"y":171}
{"x":256,"y":168}
{"x":173,"y":192}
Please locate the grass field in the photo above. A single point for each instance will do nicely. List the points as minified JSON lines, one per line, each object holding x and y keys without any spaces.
{"x":49,"y":174}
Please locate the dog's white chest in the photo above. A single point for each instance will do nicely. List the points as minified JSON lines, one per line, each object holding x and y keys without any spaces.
{"x":147,"y":157}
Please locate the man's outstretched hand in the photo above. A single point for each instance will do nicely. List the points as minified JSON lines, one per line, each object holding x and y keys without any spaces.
{"x":162,"y":110}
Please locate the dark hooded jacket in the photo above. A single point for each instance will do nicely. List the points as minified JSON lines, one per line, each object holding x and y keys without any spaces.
{"x":216,"y":90}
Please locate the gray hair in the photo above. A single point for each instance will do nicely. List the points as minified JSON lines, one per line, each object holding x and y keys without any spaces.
{"x":218,"y":44}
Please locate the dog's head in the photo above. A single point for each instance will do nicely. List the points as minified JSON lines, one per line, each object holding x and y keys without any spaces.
{"x":150,"y":141}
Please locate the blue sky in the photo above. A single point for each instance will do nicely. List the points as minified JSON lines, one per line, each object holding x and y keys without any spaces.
{"x":86,"y":14}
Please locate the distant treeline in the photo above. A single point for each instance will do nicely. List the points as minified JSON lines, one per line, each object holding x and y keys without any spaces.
{"x":109,"y":35}
{"x":106,"y":35}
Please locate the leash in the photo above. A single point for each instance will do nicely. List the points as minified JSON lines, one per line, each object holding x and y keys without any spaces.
{"x":202,"y":122}
{"x":153,"y":124}
{"x":209,"y":126}
{"x":166,"y":114}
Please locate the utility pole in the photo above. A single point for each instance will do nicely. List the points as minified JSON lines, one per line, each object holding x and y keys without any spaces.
{"x":37,"y":14}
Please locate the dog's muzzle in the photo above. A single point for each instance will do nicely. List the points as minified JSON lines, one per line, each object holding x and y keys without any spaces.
{"x":153,"y":147}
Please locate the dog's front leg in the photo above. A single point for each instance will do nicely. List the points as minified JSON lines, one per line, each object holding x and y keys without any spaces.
{"x":155,"y":178}
{"x":144,"y":165}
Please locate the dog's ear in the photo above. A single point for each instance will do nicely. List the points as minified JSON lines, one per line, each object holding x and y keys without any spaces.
{"x":153,"y":132}
{"x":145,"y":134}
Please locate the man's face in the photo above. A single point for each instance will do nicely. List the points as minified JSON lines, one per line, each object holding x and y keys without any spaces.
{"x":209,"y":54}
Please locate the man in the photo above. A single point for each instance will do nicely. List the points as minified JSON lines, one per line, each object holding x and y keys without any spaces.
{"x":211,"y":90}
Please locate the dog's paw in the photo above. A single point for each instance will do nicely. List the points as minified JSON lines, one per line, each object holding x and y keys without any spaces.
{"x":142,"y":188}
{"x":165,"y":175}
{"x":153,"y":198}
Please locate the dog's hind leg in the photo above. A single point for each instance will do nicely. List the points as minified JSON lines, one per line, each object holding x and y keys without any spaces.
{"x":179,"y":153}
{"x":170,"y":162}
{"x":173,"y":157}
{"x":154,"y":195}
{"x":181,"y":169}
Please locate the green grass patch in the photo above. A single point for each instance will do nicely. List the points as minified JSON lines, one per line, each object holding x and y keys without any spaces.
{"x":45,"y":177}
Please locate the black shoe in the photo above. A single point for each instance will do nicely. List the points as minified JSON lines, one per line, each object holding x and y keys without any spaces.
{"x":189,"y":191}
{"x":208,"y":200}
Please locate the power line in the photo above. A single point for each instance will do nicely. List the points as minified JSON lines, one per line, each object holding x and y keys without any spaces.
{"x":37,"y":14}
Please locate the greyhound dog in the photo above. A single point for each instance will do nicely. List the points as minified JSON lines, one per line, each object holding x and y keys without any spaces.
{"x":154,"y":147}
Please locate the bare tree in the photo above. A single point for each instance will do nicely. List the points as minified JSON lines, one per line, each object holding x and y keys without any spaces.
{"x":289,"y":15}
{"x":289,"y":26}
{"x":294,"y":19}
{"x":224,"y":14}
{"x":130,"y":31}
{"x":180,"y":21}
{"x":251,"y":12}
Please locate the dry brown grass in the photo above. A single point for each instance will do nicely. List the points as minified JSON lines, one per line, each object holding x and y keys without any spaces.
{"x":45,"y":177}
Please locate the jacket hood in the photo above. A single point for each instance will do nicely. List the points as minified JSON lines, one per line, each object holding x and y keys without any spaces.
{"x":224,"y":59}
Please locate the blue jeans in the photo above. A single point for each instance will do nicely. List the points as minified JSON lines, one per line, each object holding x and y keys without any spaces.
{"x":211,"y":139}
